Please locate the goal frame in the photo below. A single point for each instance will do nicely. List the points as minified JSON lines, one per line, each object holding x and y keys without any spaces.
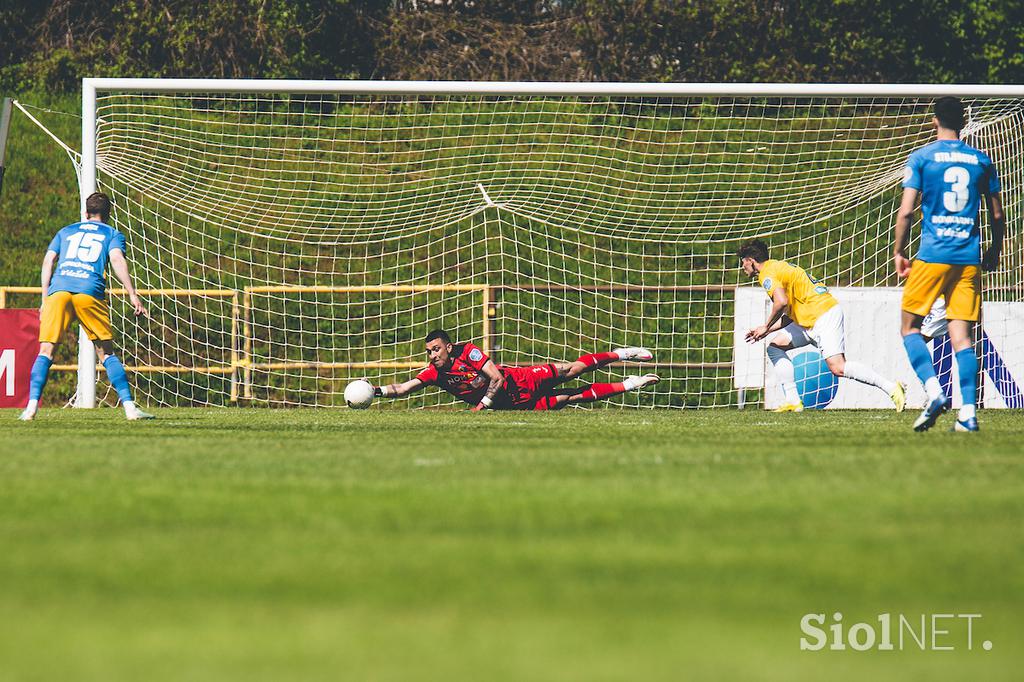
{"x":86,"y":394}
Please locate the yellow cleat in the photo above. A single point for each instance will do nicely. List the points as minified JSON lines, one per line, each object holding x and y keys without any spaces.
{"x":899,"y":396}
{"x":790,"y":407}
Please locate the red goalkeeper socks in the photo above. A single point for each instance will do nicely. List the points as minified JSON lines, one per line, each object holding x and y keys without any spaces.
{"x":598,"y":359}
{"x":599,"y":391}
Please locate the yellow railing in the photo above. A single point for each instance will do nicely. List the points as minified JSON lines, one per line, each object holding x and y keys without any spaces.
{"x":174,"y":293}
{"x":242,"y":327}
{"x":247,"y":293}
{"x":241,"y":316}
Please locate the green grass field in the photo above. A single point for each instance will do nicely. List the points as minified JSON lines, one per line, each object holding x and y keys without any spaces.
{"x":229,"y":544}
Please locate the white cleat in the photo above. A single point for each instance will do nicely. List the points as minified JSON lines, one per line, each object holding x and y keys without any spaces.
{"x":137,"y":414}
{"x":27,"y":415}
{"x":932,"y":411}
{"x":634,"y":353}
{"x":632,"y":383}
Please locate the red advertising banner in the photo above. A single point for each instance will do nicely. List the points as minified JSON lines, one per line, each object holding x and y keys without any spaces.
{"x":19,"y":346}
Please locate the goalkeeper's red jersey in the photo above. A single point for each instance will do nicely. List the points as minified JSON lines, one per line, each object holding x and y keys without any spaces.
{"x":464,"y":379}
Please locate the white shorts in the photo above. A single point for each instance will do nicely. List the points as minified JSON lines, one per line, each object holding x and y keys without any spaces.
{"x":827,"y":334}
{"x":934,"y":324}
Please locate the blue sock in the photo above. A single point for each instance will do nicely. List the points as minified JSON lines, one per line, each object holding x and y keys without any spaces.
{"x":967,"y":366}
{"x":118,"y":377}
{"x":40,"y":370}
{"x":920,"y":358}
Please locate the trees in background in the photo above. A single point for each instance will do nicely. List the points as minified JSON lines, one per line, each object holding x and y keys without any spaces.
{"x":53,"y":44}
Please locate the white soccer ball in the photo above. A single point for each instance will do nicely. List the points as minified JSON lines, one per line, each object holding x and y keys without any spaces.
{"x":359,"y":394}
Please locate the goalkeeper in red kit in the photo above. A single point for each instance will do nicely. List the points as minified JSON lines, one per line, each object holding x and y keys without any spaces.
{"x":464,"y":371}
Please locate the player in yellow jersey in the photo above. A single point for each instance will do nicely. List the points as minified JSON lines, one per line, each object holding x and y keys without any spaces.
{"x":804,"y":313}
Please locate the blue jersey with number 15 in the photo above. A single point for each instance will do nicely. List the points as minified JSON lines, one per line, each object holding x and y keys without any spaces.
{"x":82,"y":251}
{"x":952,"y":177}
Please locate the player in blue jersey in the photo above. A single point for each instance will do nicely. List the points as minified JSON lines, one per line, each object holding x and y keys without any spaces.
{"x":952,"y":178}
{"x":74,"y":286}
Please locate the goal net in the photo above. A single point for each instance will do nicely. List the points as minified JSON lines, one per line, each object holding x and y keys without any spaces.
{"x":292,"y":237}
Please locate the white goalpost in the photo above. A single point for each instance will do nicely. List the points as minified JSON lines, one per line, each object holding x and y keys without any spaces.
{"x":289,"y":236}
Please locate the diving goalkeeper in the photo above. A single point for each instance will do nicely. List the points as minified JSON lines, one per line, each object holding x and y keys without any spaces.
{"x":464,"y":371}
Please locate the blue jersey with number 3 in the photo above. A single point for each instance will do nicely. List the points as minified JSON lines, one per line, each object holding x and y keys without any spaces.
{"x":82,"y":251}
{"x":952,"y":177}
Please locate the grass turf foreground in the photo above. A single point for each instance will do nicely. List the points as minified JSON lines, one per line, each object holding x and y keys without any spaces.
{"x":597,"y":545}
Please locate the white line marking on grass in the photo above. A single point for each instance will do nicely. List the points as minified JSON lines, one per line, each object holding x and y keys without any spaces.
{"x":491,"y":425}
{"x":641,"y":460}
{"x":420,"y":462}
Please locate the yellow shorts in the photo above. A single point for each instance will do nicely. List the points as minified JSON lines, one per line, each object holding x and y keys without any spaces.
{"x":960,"y":284}
{"x":61,"y":307}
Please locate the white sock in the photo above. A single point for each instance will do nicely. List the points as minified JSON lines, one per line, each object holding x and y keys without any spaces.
{"x":968,"y":411}
{"x":129,"y":406}
{"x":933,"y":388}
{"x":865,"y":375}
{"x":784,"y":373}
{"x":32,"y":406}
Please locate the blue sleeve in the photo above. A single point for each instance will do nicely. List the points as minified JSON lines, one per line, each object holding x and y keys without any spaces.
{"x":117,"y":242}
{"x":54,"y":244}
{"x":912,"y":173}
{"x":993,"y":180}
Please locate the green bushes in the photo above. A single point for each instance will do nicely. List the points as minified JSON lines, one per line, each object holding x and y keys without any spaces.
{"x":53,"y":44}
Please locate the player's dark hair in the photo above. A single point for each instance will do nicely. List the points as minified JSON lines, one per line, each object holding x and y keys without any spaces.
{"x":754,"y":248}
{"x":438,"y":334}
{"x":98,"y":203}
{"x":950,"y":112}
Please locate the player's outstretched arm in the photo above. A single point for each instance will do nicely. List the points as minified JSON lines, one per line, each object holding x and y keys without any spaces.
{"x":496,"y":380}
{"x":904,"y":218}
{"x":997,"y":225}
{"x":780,"y":302}
{"x":46,"y":274}
{"x":398,"y":390}
{"x":120,"y":268}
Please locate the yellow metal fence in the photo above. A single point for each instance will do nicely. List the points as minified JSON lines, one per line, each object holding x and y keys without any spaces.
{"x":241,"y":366}
{"x":241,"y":328}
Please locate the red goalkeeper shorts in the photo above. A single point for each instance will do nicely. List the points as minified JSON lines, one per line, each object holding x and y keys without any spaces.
{"x":526,"y":388}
